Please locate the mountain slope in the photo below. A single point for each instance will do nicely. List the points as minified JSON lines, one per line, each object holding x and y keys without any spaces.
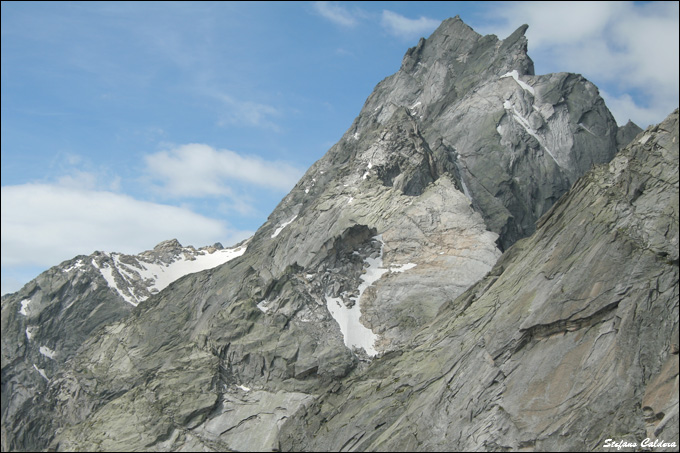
{"x":45,"y":322}
{"x":450,"y":161}
{"x":570,"y":340}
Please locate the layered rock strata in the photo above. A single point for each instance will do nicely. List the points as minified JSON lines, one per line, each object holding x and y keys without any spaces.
{"x":570,"y":340}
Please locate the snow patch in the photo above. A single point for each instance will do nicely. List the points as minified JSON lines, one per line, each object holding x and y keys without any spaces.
{"x":527,"y":127}
{"x":283,"y":225}
{"x":365,"y":175}
{"x":403,"y":267}
{"x":24,"y":307}
{"x":243,"y":387}
{"x":356,"y":136}
{"x":357,"y":335}
{"x":515,"y":76}
{"x":41,"y":371}
{"x":124,"y":270}
{"x":156,"y":276}
{"x":107,"y":273}
{"x":30,"y":331}
{"x":263,"y":306}
{"x":586,"y":129}
{"x":164,"y":274}
{"x":350,"y":200}
{"x":374,"y":270}
{"x":78,"y":264}
{"x":47,"y":352}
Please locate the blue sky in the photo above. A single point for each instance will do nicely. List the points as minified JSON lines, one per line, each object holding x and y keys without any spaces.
{"x":125,"y":124}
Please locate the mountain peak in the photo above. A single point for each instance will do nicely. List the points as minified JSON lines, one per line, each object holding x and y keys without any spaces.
{"x":467,"y":53}
{"x":375,"y":251}
{"x":455,"y":27}
{"x":168,"y":245}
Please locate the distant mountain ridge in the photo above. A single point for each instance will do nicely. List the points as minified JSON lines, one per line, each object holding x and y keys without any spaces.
{"x":391,"y":295}
{"x":61,"y":307}
{"x":136,"y":277}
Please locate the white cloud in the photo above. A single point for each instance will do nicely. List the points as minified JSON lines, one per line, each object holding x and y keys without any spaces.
{"x":246,"y":113}
{"x":623,"y":47}
{"x":406,"y":28}
{"x":624,"y":108}
{"x":78,"y":172}
{"x":197,"y":170}
{"x":78,"y":180}
{"x":45,"y":224}
{"x":336,"y":14}
{"x":244,"y":206}
{"x":344,"y":52}
{"x":555,"y":22}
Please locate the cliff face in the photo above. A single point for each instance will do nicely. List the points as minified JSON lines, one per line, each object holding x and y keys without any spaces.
{"x":570,"y":340}
{"x":351,"y":314}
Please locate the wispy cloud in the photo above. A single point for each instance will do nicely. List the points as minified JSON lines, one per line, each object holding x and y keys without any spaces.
{"x":344,"y":52}
{"x":406,"y":28}
{"x":246,"y":113}
{"x":80,"y":212}
{"x":632,"y":47}
{"x":336,"y":14}
{"x":198,"y":170}
{"x":44,"y":224}
{"x":80,"y":180}
{"x":624,"y":108}
{"x":75,"y":171}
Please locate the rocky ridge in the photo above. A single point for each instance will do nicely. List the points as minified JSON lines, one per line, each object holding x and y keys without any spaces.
{"x":45,"y":322}
{"x":450,"y":161}
{"x":570,"y":340}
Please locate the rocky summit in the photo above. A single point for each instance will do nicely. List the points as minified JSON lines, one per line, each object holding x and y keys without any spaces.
{"x":484,"y":261}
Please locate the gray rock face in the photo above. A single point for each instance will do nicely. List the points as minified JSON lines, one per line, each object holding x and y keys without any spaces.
{"x":569,"y":341}
{"x":450,"y":161}
{"x":45,"y":323}
{"x":514,"y":141}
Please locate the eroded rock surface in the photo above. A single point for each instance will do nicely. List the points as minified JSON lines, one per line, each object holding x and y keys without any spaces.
{"x":570,"y":340}
{"x":45,"y":323}
{"x":306,"y":341}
